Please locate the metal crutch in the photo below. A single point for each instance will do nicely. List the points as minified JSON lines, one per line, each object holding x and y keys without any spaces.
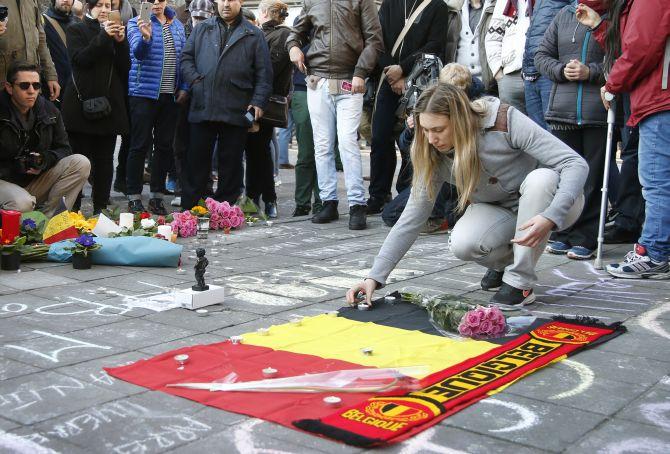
{"x":611,"y":118}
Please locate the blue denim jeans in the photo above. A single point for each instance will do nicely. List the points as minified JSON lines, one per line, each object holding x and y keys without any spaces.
{"x":537,"y":99}
{"x":284,"y":138}
{"x":335,"y":119}
{"x":654,"y":172}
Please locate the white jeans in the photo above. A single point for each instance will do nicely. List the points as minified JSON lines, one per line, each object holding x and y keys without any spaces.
{"x":484,"y":232}
{"x":336,"y":117}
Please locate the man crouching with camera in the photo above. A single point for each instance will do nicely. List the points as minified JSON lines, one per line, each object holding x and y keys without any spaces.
{"x":36,"y":163}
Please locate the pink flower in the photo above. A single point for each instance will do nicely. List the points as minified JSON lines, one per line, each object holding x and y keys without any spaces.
{"x":473,"y":318}
{"x":484,"y":327}
{"x":464,"y":330}
{"x":225,"y":212}
{"x":225,"y":223}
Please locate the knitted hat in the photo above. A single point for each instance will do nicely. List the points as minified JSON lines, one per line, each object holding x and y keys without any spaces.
{"x":201,"y":8}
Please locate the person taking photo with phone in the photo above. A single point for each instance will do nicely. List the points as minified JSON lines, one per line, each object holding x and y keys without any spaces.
{"x":94,"y":107}
{"x":155,"y":89}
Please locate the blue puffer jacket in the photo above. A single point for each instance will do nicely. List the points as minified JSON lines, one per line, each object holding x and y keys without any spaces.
{"x":146,"y":58}
{"x":544,"y":12}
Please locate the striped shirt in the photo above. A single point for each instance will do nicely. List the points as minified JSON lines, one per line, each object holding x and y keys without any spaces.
{"x":169,"y":78}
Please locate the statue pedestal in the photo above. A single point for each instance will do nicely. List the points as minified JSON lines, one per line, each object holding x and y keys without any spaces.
{"x":191,"y":299}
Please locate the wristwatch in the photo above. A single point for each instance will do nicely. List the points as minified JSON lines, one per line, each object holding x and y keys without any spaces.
{"x":609,"y":97}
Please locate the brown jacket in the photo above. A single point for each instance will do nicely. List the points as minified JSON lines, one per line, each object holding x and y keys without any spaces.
{"x":347,"y":39}
{"x":25,"y":39}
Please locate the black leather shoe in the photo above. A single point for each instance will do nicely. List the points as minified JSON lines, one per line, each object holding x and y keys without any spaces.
{"x":156,"y":207}
{"x":135,"y":206}
{"x":375,"y":205}
{"x":357,"y":217}
{"x":327,"y":214}
{"x":492,"y":280}
{"x":301,"y":211}
{"x":271,"y":210}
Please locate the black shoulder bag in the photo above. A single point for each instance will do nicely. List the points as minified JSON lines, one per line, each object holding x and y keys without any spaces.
{"x":95,"y":108}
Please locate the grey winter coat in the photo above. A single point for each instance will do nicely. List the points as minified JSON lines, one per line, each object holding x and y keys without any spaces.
{"x":224,"y":83}
{"x":575,"y":103}
{"x":506,"y":159}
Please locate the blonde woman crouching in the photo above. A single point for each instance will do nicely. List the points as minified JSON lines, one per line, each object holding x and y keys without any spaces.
{"x":516,"y":183}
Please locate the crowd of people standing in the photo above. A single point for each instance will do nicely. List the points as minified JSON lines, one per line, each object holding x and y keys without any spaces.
{"x":210,"y":85}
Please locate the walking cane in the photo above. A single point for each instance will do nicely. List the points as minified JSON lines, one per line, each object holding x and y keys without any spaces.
{"x":611,"y":117}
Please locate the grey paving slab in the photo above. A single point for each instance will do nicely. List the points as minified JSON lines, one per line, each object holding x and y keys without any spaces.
{"x":530,"y":422}
{"x":10,"y":369}
{"x":92,"y":372}
{"x":191,"y":320}
{"x":54,"y":349}
{"x":75,"y":292}
{"x":15,"y":330}
{"x":30,"y":280}
{"x":143,"y":282}
{"x":132,"y":424}
{"x":651,"y":408}
{"x":248,"y":327}
{"x":46,"y":395}
{"x":573,"y":384}
{"x":640,"y":342}
{"x":70,"y":316}
{"x":260,"y":303}
{"x":619,"y":436}
{"x":96,"y":272}
{"x":7,"y":425}
{"x":135,"y":333}
{"x":454,"y":440}
{"x":636,"y":370}
{"x":20,"y":304}
{"x":23,"y":440}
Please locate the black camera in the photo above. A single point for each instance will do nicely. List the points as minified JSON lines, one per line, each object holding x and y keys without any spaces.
{"x":30,"y":160}
{"x":4,"y":12}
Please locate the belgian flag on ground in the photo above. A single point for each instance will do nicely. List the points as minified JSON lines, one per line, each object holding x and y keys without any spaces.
{"x":460,"y":372}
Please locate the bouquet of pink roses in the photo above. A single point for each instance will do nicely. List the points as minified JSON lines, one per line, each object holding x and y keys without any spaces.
{"x":483,"y":322}
{"x":455,"y":314}
{"x":184,"y":223}
{"x":222,"y":215}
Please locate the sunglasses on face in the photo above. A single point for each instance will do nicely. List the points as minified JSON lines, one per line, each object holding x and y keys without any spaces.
{"x":26,"y":85}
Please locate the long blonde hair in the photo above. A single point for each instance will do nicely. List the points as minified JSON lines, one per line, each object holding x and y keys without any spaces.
{"x":465,"y":118}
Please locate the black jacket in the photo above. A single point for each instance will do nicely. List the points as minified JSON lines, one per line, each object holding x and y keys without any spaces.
{"x":576,"y":103}
{"x":47,"y":137}
{"x":224,"y":82}
{"x":282,"y":68}
{"x":57,"y":47}
{"x":94,"y":54}
{"x":427,"y":35}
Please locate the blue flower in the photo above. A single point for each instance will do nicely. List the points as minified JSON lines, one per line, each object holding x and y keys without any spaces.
{"x":29,"y":224}
{"x":85,"y":241}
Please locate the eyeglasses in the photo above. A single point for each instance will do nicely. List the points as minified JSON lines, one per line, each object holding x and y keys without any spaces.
{"x":26,"y":85}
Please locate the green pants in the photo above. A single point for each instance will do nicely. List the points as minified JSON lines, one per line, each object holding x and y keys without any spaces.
{"x":305,"y":168}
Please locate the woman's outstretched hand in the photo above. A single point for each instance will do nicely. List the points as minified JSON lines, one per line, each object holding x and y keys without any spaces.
{"x":368,"y":287}
{"x":587,"y":16}
{"x":537,"y":228}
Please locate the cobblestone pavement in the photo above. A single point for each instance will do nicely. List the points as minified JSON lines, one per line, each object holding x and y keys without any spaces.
{"x":59,"y":327}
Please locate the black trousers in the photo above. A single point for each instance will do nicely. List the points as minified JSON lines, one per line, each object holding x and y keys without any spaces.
{"x":590,"y":144}
{"x":260,"y":168}
{"x":230,"y":141}
{"x":100,"y":151}
{"x":630,"y":203}
{"x":382,"y":152}
{"x":181,"y":139}
{"x":152,"y":122}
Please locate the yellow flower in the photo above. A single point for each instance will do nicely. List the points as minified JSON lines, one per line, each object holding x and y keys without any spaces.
{"x":199,"y":211}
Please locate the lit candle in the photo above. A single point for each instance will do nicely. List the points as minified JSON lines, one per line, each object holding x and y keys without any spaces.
{"x":11,"y":221}
{"x":165,"y":231}
{"x":126,"y":220}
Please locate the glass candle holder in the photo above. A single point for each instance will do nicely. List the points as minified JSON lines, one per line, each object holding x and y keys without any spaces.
{"x":203,"y":227}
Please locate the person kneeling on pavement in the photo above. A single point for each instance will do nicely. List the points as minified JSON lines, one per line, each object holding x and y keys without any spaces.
{"x":517,"y":181}
{"x":36,"y":163}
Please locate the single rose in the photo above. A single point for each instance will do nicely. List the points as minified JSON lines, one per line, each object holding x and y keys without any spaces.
{"x":147,"y":223}
{"x":485,"y":326}
{"x":464,"y":330}
{"x":473,"y":318}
